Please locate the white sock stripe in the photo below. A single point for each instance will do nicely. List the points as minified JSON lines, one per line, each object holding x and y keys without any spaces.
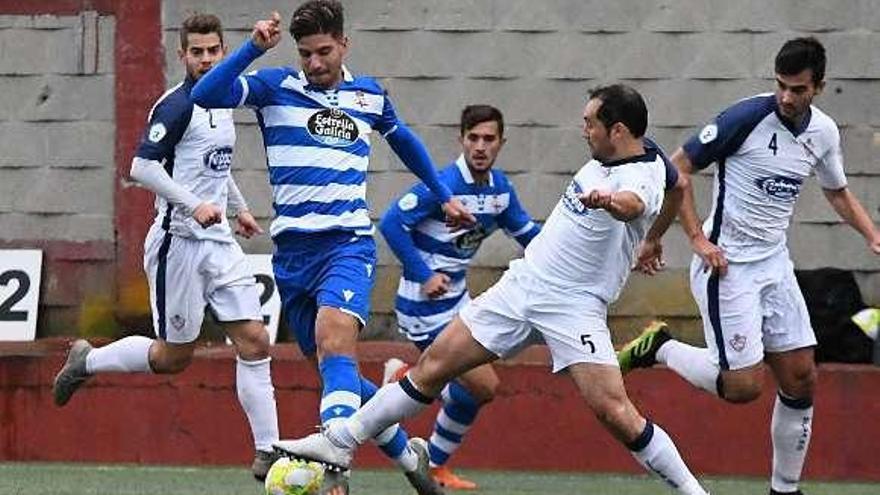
{"x":387,"y":435}
{"x":340,"y":398}
{"x":450,"y":424}
{"x":445,"y":395}
{"x":444,"y":444}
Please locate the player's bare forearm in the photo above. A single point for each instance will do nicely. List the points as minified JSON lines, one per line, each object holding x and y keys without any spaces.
{"x":623,"y":205}
{"x":852,"y":212}
{"x":687,"y":212}
{"x":671,"y":205}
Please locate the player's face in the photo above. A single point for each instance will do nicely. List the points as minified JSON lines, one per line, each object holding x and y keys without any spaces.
{"x":794,"y":94}
{"x":481,"y":144}
{"x":202,"y":52}
{"x":320,"y":57}
{"x":597,"y":135}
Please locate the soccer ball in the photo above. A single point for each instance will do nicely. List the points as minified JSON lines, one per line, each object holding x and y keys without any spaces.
{"x":294,"y":477}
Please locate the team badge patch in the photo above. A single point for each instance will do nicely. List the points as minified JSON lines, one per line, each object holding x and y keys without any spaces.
{"x":333,"y":127}
{"x":708,"y":134}
{"x":738,"y":342}
{"x":178,"y":322}
{"x":408,"y":202}
{"x":157,"y":132}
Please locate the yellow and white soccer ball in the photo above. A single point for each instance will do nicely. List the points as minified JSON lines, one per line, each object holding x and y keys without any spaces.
{"x":294,"y":477}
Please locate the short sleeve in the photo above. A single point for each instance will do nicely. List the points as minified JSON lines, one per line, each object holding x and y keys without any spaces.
{"x":726,"y":133}
{"x":167,"y":123}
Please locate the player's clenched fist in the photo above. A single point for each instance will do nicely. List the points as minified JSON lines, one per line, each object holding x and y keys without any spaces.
{"x":207,"y":214}
{"x":596,"y":199}
{"x":267,"y":33}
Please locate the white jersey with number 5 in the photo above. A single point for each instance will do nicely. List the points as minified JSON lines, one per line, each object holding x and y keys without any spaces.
{"x":583,"y":249}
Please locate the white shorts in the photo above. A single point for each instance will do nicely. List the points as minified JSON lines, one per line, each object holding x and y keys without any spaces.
{"x":185,"y":275}
{"x":756,"y":307}
{"x":520,"y":309}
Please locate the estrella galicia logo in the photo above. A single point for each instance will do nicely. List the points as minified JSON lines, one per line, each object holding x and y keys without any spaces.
{"x":571,"y":201}
{"x":333,"y":127}
{"x":219,"y":159}
{"x":780,"y":187}
{"x":471,"y":240}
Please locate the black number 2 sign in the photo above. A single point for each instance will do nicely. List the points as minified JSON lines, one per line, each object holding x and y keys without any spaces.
{"x":24,"y":284}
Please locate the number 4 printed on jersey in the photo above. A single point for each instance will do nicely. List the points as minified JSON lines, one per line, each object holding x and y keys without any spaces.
{"x":19,"y":293}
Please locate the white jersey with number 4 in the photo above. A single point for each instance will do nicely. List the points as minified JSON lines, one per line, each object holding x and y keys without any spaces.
{"x":583,"y":249}
{"x":762,"y":163}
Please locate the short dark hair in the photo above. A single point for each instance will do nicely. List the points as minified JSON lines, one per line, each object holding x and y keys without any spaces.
{"x":477,"y":114}
{"x":799,"y":54}
{"x":621,"y":103}
{"x":200,"y":24}
{"x":317,"y":17}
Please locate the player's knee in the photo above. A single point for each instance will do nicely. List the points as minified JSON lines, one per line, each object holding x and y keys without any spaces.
{"x":336,"y":333}
{"x":484,"y":391}
{"x":252,"y":343}
{"x":170,"y":363}
{"x":802,"y":383}
{"x":742,"y":392}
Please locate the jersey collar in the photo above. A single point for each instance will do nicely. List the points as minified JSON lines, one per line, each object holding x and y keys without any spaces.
{"x":466,"y":171}
{"x":796,"y":130}
{"x":649,"y":155}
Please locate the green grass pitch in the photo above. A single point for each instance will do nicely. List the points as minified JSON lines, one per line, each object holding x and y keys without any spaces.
{"x":88,"y":479}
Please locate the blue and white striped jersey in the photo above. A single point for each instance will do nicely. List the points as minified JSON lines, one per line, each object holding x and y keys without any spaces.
{"x":762,"y":163}
{"x":318,"y":146}
{"x":417,"y":233}
{"x":195,"y":146}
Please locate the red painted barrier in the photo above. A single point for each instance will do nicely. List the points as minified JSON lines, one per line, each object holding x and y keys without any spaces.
{"x":537,"y":421}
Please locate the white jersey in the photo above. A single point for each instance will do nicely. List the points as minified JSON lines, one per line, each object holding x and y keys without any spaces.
{"x":582,"y":249}
{"x":762,"y":164}
{"x":195,"y":146}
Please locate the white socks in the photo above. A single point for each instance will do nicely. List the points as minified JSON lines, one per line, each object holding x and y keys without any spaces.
{"x":691,"y":363}
{"x":391,"y":404}
{"x":790,"y":429}
{"x":253,"y":382}
{"x":655,"y":452}
{"x":127,"y":355}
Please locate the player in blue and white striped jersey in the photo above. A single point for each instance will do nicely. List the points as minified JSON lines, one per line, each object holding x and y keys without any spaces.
{"x":742,"y":276}
{"x":190,"y":256}
{"x":433,"y":285}
{"x":317,"y":124}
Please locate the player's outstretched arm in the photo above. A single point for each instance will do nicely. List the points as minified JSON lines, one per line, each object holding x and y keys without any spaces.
{"x":852,"y":212}
{"x":713,"y":257}
{"x":415,"y":156}
{"x":220,"y":87}
{"x":622,"y":205}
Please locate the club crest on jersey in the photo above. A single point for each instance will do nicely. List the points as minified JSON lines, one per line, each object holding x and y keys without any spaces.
{"x":738,"y":342}
{"x":157,"y":132}
{"x":471,"y":240}
{"x":219,"y":159}
{"x":708,"y":134}
{"x":780,"y":187}
{"x":571,"y":201}
{"x":333,"y":127}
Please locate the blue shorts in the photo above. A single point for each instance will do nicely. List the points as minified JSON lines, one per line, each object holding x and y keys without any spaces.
{"x":335,"y":269}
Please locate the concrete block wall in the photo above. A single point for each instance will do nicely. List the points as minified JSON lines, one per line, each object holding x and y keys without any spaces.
{"x":57,"y":159}
{"x":536,"y":60}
